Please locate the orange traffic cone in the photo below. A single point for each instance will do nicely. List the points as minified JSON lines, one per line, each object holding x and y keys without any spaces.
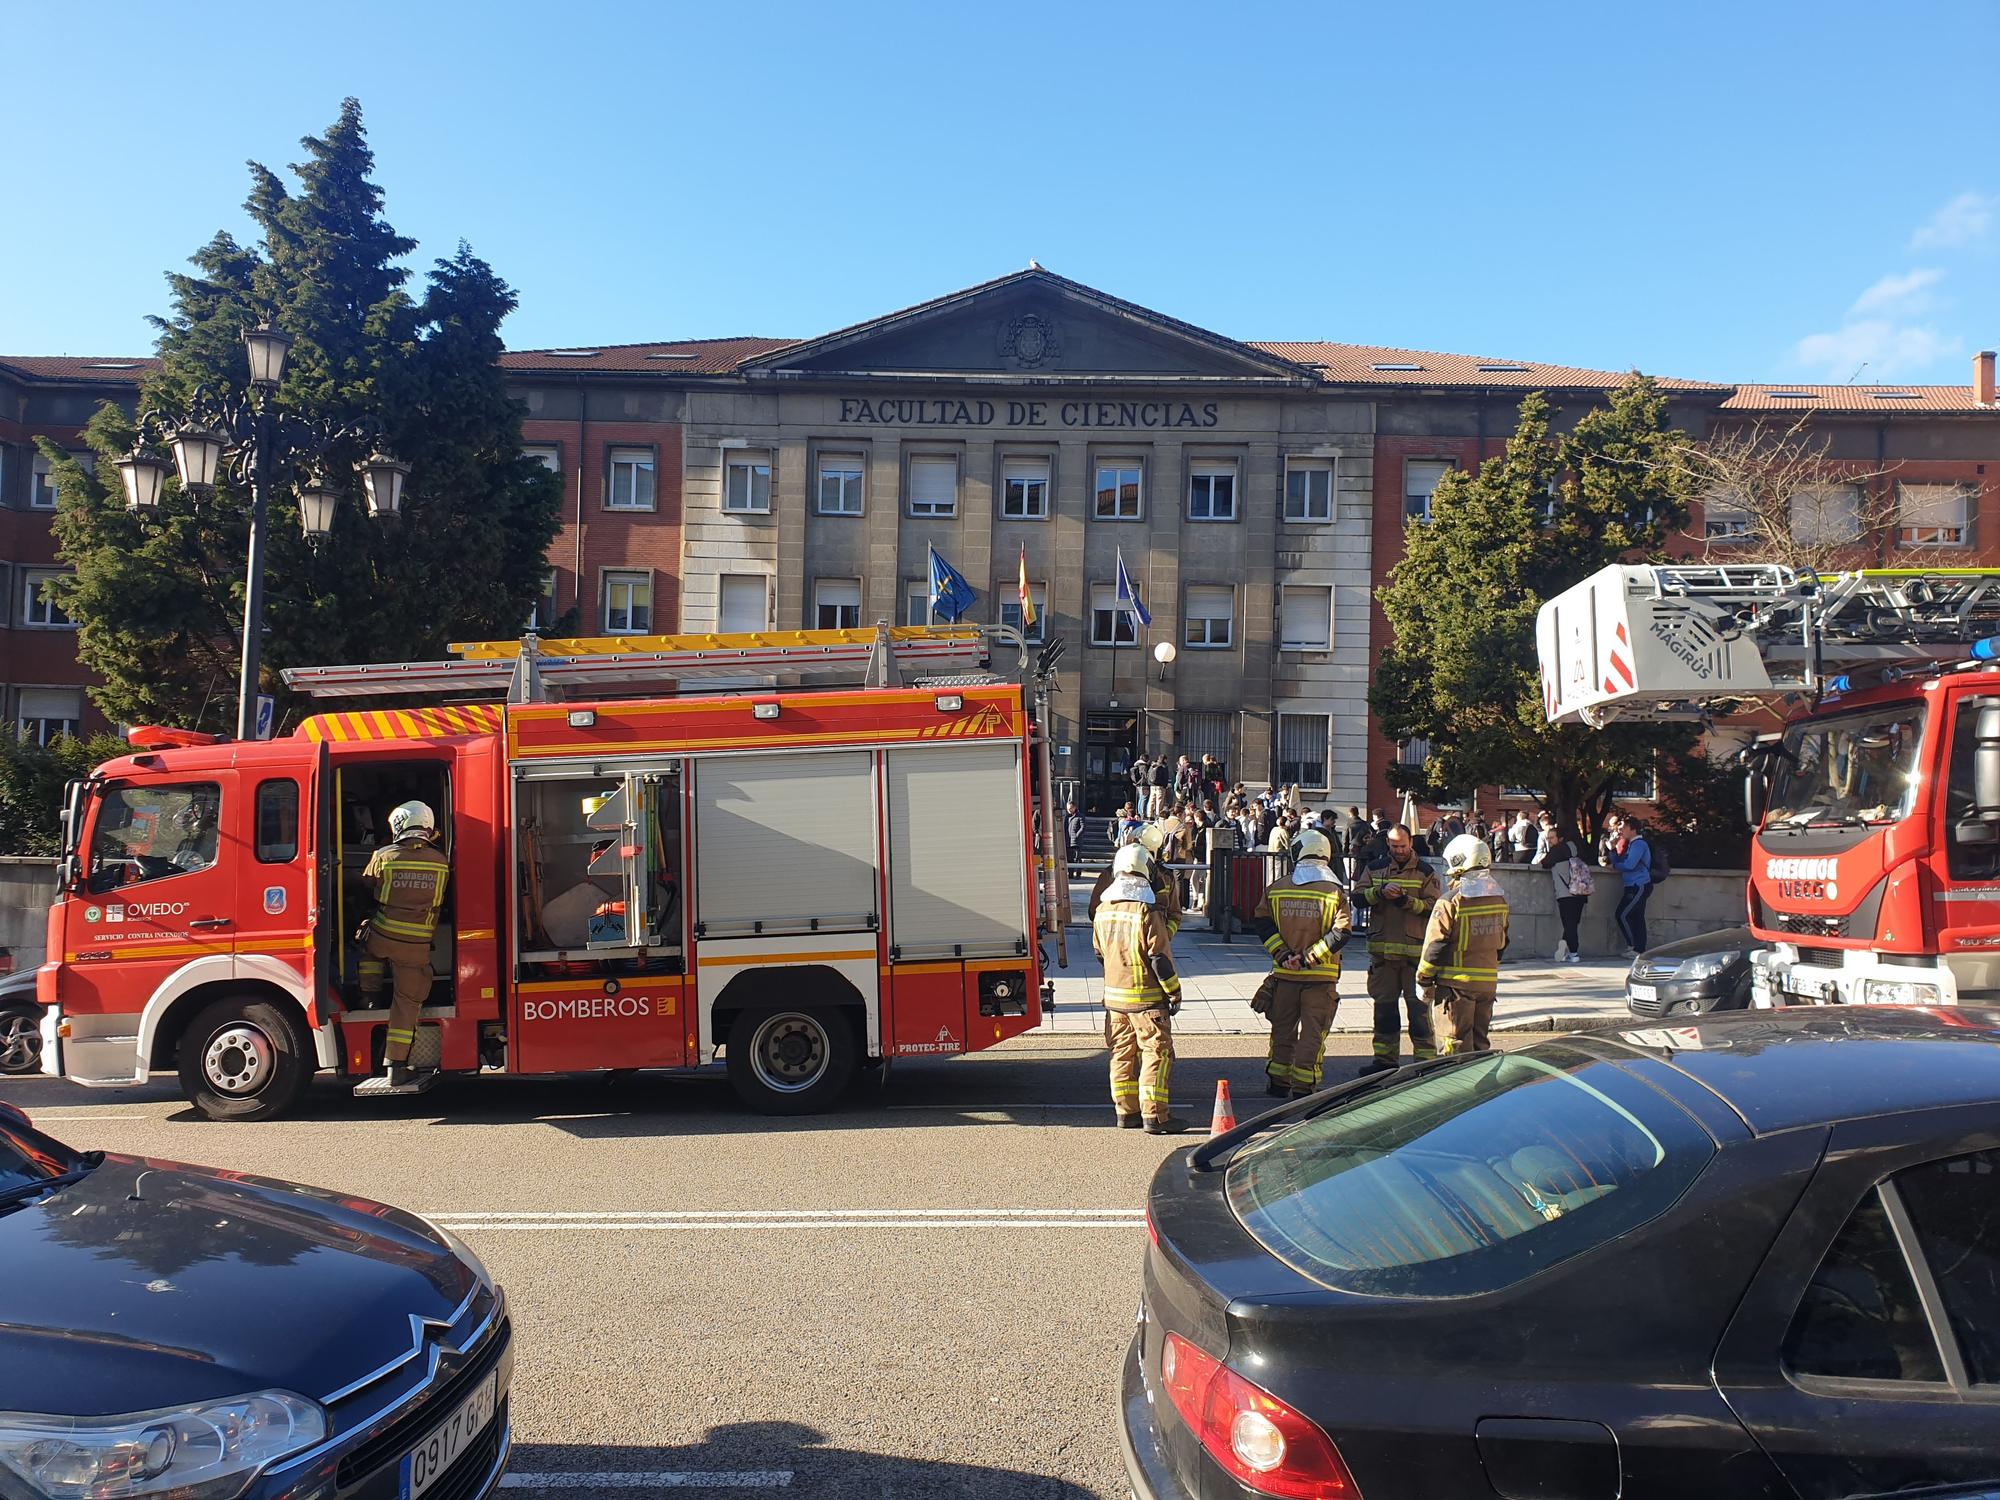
{"x":1224,"y":1117}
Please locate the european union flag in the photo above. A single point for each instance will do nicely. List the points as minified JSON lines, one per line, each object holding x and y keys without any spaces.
{"x":1128,"y":595}
{"x":951,"y":595}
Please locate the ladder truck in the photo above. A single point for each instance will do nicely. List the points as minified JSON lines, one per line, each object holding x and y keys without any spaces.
{"x":787,"y":856}
{"x":1875,"y":865}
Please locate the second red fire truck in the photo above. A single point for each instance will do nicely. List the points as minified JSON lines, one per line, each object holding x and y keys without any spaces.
{"x":792,"y":856}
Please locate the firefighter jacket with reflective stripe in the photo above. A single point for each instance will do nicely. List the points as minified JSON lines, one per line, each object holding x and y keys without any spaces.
{"x":1132,"y":939}
{"x":1466,"y":936}
{"x":1166,"y":894}
{"x":408,"y":879}
{"x":1310,"y":920}
{"x":1396,"y":930}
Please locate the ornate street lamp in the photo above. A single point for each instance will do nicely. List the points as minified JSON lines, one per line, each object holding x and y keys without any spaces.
{"x":318,"y":500}
{"x":198,"y":457}
{"x":382,"y":476}
{"x":267,"y":346}
{"x":144,"y":473}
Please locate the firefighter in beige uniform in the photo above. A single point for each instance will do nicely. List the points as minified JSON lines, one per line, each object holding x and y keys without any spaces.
{"x":1141,"y":993}
{"x":408,"y":880}
{"x":1152,"y":838}
{"x":1302,"y":919}
{"x":1400,"y":889}
{"x":1460,"y":968}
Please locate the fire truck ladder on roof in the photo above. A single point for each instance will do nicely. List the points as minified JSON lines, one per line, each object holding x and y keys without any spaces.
{"x":532,"y":670}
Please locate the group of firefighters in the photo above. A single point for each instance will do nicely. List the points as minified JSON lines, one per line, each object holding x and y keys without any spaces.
{"x":1431,"y":945}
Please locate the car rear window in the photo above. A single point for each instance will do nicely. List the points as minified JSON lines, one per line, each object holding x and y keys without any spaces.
{"x":1469,"y":1179}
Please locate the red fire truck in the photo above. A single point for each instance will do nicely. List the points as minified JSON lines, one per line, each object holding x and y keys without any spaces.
{"x":1875,"y":871}
{"x":794,"y":856}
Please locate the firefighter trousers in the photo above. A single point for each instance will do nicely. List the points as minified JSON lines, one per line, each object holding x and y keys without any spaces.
{"x":1301,"y":1014}
{"x":409,"y":964}
{"x":1142,"y":1060}
{"x":1392,"y":985}
{"x":1467,"y":1018}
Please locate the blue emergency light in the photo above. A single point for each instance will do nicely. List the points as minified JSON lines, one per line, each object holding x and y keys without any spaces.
{"x":1988,"y":649}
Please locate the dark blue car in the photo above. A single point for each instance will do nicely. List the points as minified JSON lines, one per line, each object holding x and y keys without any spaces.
{"x":172,"y":1331}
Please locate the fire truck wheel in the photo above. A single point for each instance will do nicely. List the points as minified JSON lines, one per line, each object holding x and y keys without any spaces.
{"x":244,"y":1059}
{"x":791,"y":1062}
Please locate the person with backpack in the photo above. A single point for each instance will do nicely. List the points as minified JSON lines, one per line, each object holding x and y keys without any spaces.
{"x":1626,"y":851}
{"x":1562,"y":856}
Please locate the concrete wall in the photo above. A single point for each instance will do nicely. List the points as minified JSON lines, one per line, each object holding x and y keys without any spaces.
{"x":27,"y":886}
{"x":1687,"y":904}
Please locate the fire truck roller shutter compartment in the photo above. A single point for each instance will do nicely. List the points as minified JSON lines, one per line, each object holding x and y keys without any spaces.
{"x":957,"y":898}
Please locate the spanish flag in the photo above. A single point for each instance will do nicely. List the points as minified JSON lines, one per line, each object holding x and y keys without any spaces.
{"x":1027,"y":594}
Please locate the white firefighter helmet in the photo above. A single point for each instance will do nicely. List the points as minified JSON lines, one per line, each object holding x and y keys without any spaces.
{"x":1153,"y":837}
{"x":1131,"y":860}
{"x":409,"y":818}
{"x":1466,"y":852}
{"x":1311,"y":844}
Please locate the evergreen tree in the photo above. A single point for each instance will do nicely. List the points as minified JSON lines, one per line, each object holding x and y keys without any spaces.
{"x":1460,"y":671}
{"x":160,"y":603}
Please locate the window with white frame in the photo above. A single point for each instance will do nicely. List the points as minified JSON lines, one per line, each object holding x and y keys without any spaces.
{"x":1309,"y":489}
{"x":916,"y":602}
{"x":933,"y":486}
{"x":745,"y":603}
{"x":630,"y":482}
{"x":1725,"y":516}
{"x":37,"y":609}
{"x":1211,"y":615}
{"x":1010,"y":612}
{"x":1111,"y":623}
{"x":1421,"y":477}
{"x":42,"y":484}
{"x":1934,"y":515}
{"x":1212,"y":490}
{"x":746,"y":483}
{"x":543,"y":615}
{"x":1414,"y":752}
{"x":628,"y":603}
{"x":548,"y":455}
{"x":1302,"y":750}
{"x":1824,"y":513}
{"x":43,"y":715}
{"x":837,"y":603}
{"x":1024,"y":489}
{"x":840,"y":484}
{"x":1120,"y":493}
{"x":1305,"y":617}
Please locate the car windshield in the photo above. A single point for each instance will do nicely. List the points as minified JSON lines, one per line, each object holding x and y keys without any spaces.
{"x":28,"y":1158}
{"x":1849,"y":768}
{"x":1471,"y":1178}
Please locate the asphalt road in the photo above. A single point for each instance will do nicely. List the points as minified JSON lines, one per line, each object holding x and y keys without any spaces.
{"x":926,"y":1294}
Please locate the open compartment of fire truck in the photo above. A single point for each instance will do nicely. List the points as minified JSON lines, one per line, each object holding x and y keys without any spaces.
{"x":598,"y":861}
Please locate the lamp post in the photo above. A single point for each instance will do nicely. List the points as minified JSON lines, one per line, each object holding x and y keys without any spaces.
{"x":254,"y":438}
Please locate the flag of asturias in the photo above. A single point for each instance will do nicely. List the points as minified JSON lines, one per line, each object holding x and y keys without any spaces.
{"x":1027,"y":594}
{"x":951,"y":595}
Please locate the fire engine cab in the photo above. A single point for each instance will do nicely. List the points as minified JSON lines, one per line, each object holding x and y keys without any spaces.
{"x":1875,"y":869}
{"x":791,"y":856}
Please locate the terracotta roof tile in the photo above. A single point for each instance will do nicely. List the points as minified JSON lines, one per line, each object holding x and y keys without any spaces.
{"x":97,"y":369}
{"x":1369,"y":364}
{"x":681,"y":357}
{"x":1856,"y":398}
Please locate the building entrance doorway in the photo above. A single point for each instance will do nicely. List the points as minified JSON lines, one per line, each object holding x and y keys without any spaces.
{"x":1110,"y":745}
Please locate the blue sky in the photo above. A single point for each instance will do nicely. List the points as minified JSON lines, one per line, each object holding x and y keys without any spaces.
{"x":1708,"y":190}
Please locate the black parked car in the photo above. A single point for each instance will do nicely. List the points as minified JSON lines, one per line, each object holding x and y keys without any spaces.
{"x":20,"y":1024}
{"x":174,"y":1331}
{"x":1764,"y":1261}
{"x":1693,"y":976}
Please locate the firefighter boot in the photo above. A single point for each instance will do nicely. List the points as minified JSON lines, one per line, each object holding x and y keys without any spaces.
{"x":1129,"y":1122}
{"x":1171,"y":1125}
{"x":1376,"y":1065}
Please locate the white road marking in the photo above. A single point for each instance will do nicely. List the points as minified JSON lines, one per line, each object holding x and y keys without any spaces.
{"x":667,"y":1479}
{"x":611,"y":1221}
{"x":49,"y":1114}
{"x":459,"y":1215}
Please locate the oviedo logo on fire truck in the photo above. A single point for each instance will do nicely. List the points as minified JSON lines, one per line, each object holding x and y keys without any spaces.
{"x":1804,"y":879}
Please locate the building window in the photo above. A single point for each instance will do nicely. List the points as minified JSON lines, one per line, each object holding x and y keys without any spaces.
{"x":1309,"y":490}
{"x":840,"y":484}
{"x":1111,"y":623}
{"x":745,"y":603}
{"x":543,"y":615}
{"x":1420,"y":482}
{"x":746,"y":483}
{"x":1120,"y":489}
{"x":1413,"y":753}
{"x":1644,"y":789}
{"x":631,"y":486}
{"x":933,"y":486}
{"x":628,"y":603}
{"x":1725,"y":517}
{"x":837,"y":604}
{"x":1934,"y":515}
{"x":548,"y":455}
{"x":42,"y":484}
{"x":44,"y":715}
{"x":1024,"y":489}
{"x":36,"y":607}
{"x":1010,"y":612}
{"x":1211,"y":614}
{"x":1211,"y":491}
{"x":1206,"y":734}
{"x":1824,"y":513}
{"x":916,"y":602}
{"x":1302,"y":750}
{"x":1305,"y":617}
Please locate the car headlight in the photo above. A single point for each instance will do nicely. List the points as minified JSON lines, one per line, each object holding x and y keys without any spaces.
{"x":1899,"y":992}
{"x":463,"y":1251}
{"x":211,"y":1451}
{"x":1704,"y":966}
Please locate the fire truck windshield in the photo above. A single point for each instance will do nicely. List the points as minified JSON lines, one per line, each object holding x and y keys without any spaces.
{"x":1848,"y":768}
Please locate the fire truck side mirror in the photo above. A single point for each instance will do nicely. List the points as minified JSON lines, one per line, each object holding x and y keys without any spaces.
{"x":1756,"y":793}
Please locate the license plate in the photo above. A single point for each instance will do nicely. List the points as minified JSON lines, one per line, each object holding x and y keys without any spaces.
{"x":451,"y":1437}
{"x":1645,"y":992}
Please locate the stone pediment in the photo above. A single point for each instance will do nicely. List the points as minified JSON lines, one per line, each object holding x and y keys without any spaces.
{"x":1033,"y":325}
